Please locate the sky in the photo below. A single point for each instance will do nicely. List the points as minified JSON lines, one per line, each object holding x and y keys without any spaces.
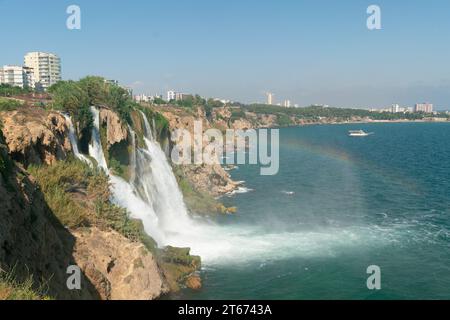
{"x":307,"y":51}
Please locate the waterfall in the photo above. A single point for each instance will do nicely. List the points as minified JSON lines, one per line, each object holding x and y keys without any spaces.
{"x":74,"y":141}
{"x":133,"y":160}
{"x":95,"y":147}
{"x":158,"y":185}
{"x":124,"y":194}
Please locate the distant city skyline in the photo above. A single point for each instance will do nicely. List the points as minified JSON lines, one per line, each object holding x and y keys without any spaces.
{"x":303,"y":51}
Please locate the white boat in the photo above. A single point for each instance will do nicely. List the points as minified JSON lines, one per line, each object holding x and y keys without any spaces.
{"x":358,"y":133}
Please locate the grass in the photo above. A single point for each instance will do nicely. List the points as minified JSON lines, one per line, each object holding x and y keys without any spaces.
{"x":9,"y":104}
{"x":79,"y":197}
{"x":12,"y":289}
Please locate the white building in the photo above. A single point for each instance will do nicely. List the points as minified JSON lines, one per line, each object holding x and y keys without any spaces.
{"x":395,"y":108}
{"x":28,"y":78}
{"x":46,"y":66}
{"x":146,"y":98}
{"x":171,"y":95}
{"x":270,"y":98}
{"x":424,"y":107}
{"x":287,"y":103}
{"x":17,"y":76}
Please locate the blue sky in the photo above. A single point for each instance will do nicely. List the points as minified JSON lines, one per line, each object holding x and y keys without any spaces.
{"x":311,"y":51}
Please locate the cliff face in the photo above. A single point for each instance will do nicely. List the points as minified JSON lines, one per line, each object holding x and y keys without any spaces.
{"x":212,"y":179}
{"x":35,"y":136}
{"x":33,"y":239}
{"x":116,"y":132}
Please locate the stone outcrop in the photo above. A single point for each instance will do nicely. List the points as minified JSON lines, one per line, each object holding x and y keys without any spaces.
{"x":32,"y":241}
{"x":35,"y":136}
{"x":118,"y":268}
{"x":116,"y":132}
{"x":212,"y":179}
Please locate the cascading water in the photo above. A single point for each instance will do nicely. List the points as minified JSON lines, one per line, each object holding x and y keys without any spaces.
{"x":133,"y":160}
{"x":74,"y":142}
{"x":95,"y":147}
{"x":159,"y":186}
{"x":123,"y":193}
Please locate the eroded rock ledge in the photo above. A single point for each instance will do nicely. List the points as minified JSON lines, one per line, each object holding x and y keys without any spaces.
{"x":35,"y":136}
{"x":118,"y":268}
{"x":116,"y":132}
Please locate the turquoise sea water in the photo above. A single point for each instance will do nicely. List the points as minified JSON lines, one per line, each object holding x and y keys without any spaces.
{"x":338,"y":205}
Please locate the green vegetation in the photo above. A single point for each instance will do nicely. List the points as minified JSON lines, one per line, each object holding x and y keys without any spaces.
{"x":159,"y":101}
{"x":196,"y":201}
{"x":7,"y":90}
{"x":76,"y":97}
{"x":9,"y":104}
{"x":71,"y":97}
{"x":79,"y":197}
{"x":317,"y":113}
{"x":189,"y":101}
{"x":12,"y":289}
{"x":177,"y":264}
{"x":162,"y":127}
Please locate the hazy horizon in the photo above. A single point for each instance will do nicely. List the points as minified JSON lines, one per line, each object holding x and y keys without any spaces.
{"x":309,"y":52}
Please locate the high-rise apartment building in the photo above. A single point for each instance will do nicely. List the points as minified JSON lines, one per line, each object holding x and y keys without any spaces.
{"x":46,"y":68}
{"x":270,"y":99}
{"x":424,"y":107}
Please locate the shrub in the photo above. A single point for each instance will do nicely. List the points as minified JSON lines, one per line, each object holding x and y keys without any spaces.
{"x":9,"y":105}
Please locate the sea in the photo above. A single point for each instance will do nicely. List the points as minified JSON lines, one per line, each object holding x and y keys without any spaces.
{"x":338,"y":206}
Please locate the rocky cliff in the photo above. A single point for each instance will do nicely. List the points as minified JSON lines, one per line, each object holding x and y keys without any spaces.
{"x":32,"y":241}
{"x":212,"y":179}
{"x":116,"y":132}
{"x":35,"y":136}
{"x":64,"y":218}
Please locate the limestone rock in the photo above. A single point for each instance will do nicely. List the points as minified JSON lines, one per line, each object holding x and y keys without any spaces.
{"x":32,"y":241}
{"x":35,"y":136}
{"x":194,"y":282}
{"x":116,"y":131}
{"x":212,"y":179}
{"x":118,"y":268}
